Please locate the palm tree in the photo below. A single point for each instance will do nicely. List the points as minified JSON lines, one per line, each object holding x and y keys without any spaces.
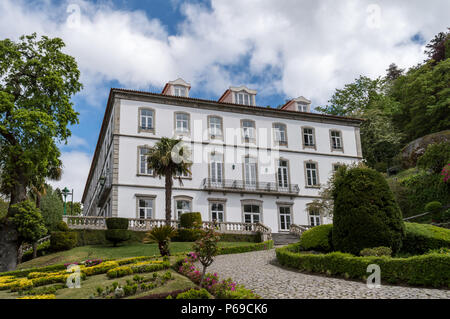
{"x":169,"y":158}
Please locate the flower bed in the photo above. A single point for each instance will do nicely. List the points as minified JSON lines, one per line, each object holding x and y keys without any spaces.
{"x":222,"y":289}
{"x":432,"y":269}
{"x":141,"y":267}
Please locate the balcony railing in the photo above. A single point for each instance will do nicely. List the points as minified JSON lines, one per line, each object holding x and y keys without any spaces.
{"x":105,"y":185}
{"x":140,"y":224}
{"x":228,"y":185}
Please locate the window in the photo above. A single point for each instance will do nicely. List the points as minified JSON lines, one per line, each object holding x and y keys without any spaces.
{"x":314,"y":217}
{"x":146,"y":120}
{"x":311,"y":174}
{"x":250,"y":172}
{"x":302,"y":107}
{"x":179,"y":90}
{"x":182,"y":206}
{"x":145,"y":208}
{"x":216,"y":169}
{"x":248,"y":130}
{"x":143,"y":166}
{"x":280,"y":133}
{"x":242,"y":98}
{"x":183,"y":175}
{"x":217,"y":211}
{"x":308,"y":137}
{"x":336,"y":140}
{"x":215,"y":126}
{"x":251,"y":213}
{"x":285,"y":217}
{"x":182,"y":122}
{"x":283,"y":174}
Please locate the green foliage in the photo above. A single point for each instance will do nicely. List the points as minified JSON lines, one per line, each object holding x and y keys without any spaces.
{"x":435,"y":157}
{"x":73,"y":210}
{"x":207,"y":248}
{"x":187,"y":235}
{"x":191,"y":220}
{"x":195,"y":294}
{"x":432,"y":270}
{"x":240,"y":237}
{"x":420,"y":238}
{"x":52,"y":208}
{"x":28,"y":221}
{"x":42,"y":249}
{"x":62,"y":226}
{"x":162,"y":235}
{"x":243,"y":249}
{"x":63,"y":240}
{"x":435,"y":208}
{"x":3,"y":209}
{"x":117,"y":236}
{"x":363,"y":202}
{"x":377,"y":251}
{"x":97,"y":237}
{"x":37,"y":81}
{"x":117,"y":223}
{"x":317,"y":238}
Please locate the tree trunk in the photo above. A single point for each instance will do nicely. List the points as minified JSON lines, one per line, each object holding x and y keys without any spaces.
{"x":35,"y":249}
{"x":9,"y":237}
{"x":169,"y":183}
{"x":203,"y":276}
{"x":9,"y":247}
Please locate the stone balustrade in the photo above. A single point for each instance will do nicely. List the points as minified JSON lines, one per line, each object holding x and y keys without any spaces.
{"x":299,"y":229}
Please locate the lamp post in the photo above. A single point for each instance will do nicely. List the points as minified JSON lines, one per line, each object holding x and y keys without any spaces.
{"x":65,"y":193}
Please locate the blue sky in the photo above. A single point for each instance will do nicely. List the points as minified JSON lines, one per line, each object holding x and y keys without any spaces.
{"x":283,"y":49}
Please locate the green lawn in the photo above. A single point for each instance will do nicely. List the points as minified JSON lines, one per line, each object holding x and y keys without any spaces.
{"x":82,"y":253}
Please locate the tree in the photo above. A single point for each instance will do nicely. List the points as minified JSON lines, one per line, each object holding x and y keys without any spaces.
{"x":37,"y":81}
{"x":393,"y":72}
{"x":52,"y":208}
{"x":439,"y":47}
{"x":207,"y":248}
{"x":365,"y":214}
{"x":75,"y":209}
{"x":169,"y":158}
{"x":162,"y":235}
{"x":29,"y":223}
{"x":436,"y":156}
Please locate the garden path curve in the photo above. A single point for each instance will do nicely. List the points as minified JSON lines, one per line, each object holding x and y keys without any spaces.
{"x":258,"y":272}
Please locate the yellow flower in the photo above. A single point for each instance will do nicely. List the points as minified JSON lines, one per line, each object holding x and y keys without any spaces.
{"x":49,"y":296}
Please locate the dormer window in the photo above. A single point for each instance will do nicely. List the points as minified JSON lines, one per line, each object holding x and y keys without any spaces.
{"x":302,"y":107}
{"x":242,"y":98}
{"x":179,"y":90}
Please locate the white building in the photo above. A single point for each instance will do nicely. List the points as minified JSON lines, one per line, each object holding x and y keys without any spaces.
{"x":250,"y":163}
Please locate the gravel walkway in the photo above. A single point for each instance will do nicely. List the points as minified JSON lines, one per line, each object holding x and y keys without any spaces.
{"x":257,"y":271}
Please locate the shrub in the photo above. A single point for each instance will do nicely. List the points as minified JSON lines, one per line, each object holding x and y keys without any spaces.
{"x":117,"y":236}
{"x":119,"y":272}
{"x":317,"y":238}
{"x":435,"y":209}
{"x":365,"y":212}
{"x":436,"y":156}
{"x":161,"y":235}
{"x":187,"y":235}
{"x":377,"y":251}
{"x":420,"y":238}
{"x":191,"y":220}
{"x":60,"y":240}
{"x":116,"y":223}
{"x":62,"y":226}
{"x":425,"y":270}
{"x":195,"y":294}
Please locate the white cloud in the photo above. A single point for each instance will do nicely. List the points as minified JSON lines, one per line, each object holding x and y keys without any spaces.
{"x":75,"y":142}
{"x":75,"y":170}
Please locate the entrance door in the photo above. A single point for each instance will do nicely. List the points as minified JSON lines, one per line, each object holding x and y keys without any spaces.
{"x":285,"y":218}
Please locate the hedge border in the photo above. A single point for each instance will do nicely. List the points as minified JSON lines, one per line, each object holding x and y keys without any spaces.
{"x":430,"y":270}
{"x":243,"y":249}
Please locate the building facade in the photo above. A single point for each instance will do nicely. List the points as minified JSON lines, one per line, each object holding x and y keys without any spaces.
{"x":250,"y":163}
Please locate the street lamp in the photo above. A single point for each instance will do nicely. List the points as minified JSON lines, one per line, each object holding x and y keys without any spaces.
{"x":66,"y":192}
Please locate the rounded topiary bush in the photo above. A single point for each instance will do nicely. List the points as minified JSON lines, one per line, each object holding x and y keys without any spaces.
{"x":435,"y":208}
{"x":191,"y":220}
{"x":365,"y":212}
{"x":117,"y":235}
{"x":116,"y":223}
{"x":187,"y":235}
{"x":62,"y":226}
{"x":63,"y":240}
{"x":317,"y":238}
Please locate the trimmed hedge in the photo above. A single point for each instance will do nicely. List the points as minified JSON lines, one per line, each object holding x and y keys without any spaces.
{"x":240,"y":237}
{"x":116,"y":223}
{"x":187,"y":220}
{"x":243,"y":249}
{"x":63,"y":240}
{"x":186,"y":234}
{"x":117,"y":235}
{"x":317,"y":238}
{"x":426,"y":270}
{"x":25,"y":272}
{"x":97,"y":237}
{"x":420,"y":238}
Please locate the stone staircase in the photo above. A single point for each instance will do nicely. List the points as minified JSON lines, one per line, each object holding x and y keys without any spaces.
{"x":280,"y":239}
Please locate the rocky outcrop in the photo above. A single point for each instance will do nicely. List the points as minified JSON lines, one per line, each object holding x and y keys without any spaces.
{"x":411,"y":152}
